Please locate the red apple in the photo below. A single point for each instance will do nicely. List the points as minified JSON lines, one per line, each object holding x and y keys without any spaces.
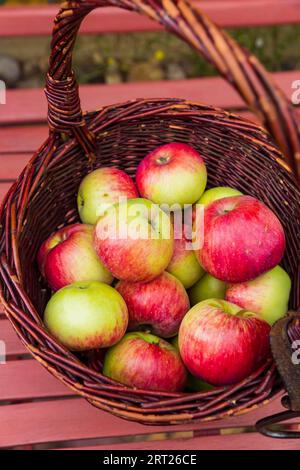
{"x":145,"y":361}
{"x":134,"y":240}
{"x":172,"y":174}
{"x":193,"y":384}
{"x":222,"y":344}
{"x":242,"y":239}
{"x":158,"y":305}
{"x":101,"y":188}
{"x":69,"y":256}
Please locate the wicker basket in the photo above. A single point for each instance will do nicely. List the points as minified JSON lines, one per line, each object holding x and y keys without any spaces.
{"x":237,"y":153}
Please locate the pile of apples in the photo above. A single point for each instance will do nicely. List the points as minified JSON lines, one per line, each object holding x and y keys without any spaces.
{"x":165,"y":310}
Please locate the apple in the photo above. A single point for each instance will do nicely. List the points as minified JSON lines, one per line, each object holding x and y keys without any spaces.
{"x":68,"y":255}
{"x":158,"y":305}
{"x":221,"y":343}
{"x":213,"y":194}
{"x":242,"y":239}
{"x":174,"y":173}
{"x":267,"y":295}
{"x":134,"y":240}
{"x":193,"y":384}
{"x":101,"y":188}
{"x":207,"y":288}
{"x":184,"y":264}
{"x":147,"y":362}
{"x":219,"y":192}
{"x":86,"y":315}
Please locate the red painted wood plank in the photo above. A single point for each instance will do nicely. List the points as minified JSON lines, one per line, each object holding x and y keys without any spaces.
{"x":30,"y":105}
{"x":22,"y":139}
{"x":73,"y":419}
{"x":24,"y":21}
{"x":24,"y":106}
{"x":12,"y":164}
{"x":14,"y":347}
{"x":24,"y":380}
{"x":4,"y":187}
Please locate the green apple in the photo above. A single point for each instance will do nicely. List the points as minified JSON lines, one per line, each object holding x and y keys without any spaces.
{"x":217,"y":193}
{"x":207,"y":288}
{"x":267,"y":295}
{"x":184,"y":264}
{"x":86,"y":315}
{"x":101,"y":188}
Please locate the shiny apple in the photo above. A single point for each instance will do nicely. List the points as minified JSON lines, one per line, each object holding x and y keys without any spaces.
{"x":267,"y":295}
{"x":147,"y":362}
{"x":158,"y":305}
{"x":86,"y":315}
{"x":68,"y":256}
{"x":243,"y":239}
{"x":134,"y":240}
{"x":174,"y":173}
{"x":101,"y":188}
{"x":221,"y":343}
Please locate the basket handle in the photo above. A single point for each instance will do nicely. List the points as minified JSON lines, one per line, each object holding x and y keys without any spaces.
{"x":234,"y":63}
{"x":285,"y":345}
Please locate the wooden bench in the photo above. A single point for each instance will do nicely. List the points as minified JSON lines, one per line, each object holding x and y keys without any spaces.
{"x":37,"y":411}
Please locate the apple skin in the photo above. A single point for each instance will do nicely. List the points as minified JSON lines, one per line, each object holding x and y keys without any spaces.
{"x":158,"y":305}
{"x":222,"y":344}
{"x":174,"y":173}
{"x":147,"y":362}
{"x":242,"y":239}
{"x":193,"y":384}
{"x":219,"y":192}
{"x":101,"y":188}
{"x":207,"y":288}
{"x":145,"y":249}
{"x":184,"y":264}
{"x":86,"y":315}
{"x":68,"y":256}
{"x":267,"y":295}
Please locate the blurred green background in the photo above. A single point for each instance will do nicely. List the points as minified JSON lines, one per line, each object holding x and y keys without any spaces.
{"x":143,"y":56}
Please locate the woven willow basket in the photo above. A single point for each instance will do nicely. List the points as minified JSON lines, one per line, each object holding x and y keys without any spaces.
{"x":237,"y":153}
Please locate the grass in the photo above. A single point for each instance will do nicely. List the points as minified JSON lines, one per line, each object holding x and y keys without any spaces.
{"x":149,"y":56}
